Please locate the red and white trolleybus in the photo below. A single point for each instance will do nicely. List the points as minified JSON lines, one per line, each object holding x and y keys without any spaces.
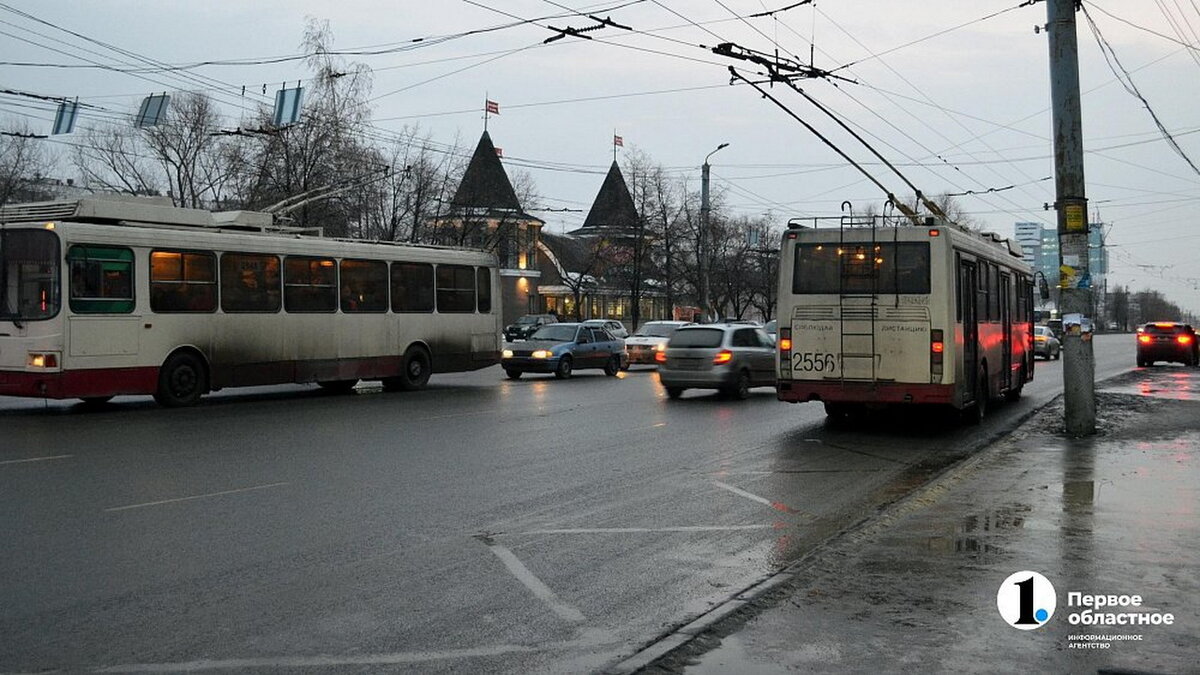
{"x":877,"y":311}
{"x":108,"y":295}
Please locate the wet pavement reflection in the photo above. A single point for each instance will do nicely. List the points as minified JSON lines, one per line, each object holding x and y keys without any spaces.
{"x":917,"y":586}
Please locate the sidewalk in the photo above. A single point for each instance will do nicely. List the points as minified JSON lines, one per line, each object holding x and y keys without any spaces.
{"x":916,"y":589}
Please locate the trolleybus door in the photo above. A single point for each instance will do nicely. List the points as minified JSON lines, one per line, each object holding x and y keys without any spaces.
{"x":967,"y":300}
{"x":1006,"y":327}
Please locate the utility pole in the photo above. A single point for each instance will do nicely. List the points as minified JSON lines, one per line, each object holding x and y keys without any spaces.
{"x":705,"y":235}
{"x":1075,"y":283}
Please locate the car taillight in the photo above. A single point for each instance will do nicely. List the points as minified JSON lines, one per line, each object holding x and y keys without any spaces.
{"x":723,"y":356}
{"x":1144,"y":338}
{"x":1184,"y":339}
{"x":660,"y":357}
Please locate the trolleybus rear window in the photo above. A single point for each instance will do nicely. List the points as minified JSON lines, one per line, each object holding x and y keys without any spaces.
{"x":883,"y":267}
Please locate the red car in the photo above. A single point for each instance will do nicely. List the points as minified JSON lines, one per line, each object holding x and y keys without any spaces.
{"x":1167,"y":341}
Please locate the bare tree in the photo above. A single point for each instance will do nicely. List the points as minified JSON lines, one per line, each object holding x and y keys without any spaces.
{"x":22,"y":160}
{"x":187,"y":150}
{"x":115,"y":159}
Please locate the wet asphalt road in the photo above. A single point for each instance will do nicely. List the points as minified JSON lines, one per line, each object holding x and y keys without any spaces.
{"x":479,"y":525}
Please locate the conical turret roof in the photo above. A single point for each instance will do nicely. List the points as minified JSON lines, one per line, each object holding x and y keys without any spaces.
{"x":484,"y":184}
{"x":613,"y":207}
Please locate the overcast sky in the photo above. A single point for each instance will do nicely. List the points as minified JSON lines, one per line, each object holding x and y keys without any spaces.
{"x":955,"y":93}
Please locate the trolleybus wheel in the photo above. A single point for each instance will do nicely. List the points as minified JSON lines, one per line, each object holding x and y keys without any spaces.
{"x":181,"y":381}
{"x":416,"y":372}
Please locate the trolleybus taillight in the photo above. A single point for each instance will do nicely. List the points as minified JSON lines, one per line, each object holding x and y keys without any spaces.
{"x":785,"y":339}
{"x":937,"y":353}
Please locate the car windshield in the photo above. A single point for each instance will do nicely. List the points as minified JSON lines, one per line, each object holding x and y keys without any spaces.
{"x":771,"y":326}
{"x":558,"y":332}
{"x":698,"y":337}
{"x":656,"y":330}
{"x":1042,"y":330}
{"x":526,"y":320}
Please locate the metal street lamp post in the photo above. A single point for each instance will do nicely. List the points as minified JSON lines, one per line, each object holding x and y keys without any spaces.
{"x":705,"y":236}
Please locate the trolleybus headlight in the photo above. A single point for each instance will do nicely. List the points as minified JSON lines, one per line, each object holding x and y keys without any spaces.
{"x":43,"y":360}
{"x":541,"y":354}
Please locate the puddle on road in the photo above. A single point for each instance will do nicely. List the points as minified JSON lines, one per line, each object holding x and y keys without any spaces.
{"x":977,"y":533}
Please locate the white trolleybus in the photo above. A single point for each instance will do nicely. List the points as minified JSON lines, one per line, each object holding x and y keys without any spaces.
{"x":108,"y":296}
{"x":876,"y":311}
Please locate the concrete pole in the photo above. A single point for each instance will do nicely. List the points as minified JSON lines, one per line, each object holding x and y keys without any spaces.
{"x":705,"y":240}
{"x":1079,"y":376}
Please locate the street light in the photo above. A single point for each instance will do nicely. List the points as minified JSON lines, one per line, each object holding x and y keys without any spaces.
{"x":704,"y":233}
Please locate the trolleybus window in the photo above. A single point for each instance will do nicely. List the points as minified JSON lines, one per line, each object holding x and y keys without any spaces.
{"x":29,"y":275}
{"x":483,"y":288}
{"x":364,"y":286}
{"x":885,"y":267}
{"x":455,"y":288}
{"x":309,"y":284}
{"x":183,"y":281}
{"x":250,"y":282}
{"x":101,"y":279}
{"x":412,"y":287}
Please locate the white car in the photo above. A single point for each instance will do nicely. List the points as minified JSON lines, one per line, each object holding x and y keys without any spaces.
{"x":651,"y":338}
{"x":611,"y":325}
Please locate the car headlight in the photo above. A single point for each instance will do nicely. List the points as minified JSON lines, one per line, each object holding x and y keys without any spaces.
{"x":542,"y":354}
{"x":506,"y":354}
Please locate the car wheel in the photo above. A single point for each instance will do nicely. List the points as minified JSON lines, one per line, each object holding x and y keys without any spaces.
{"x":674,"y":392}
{"x":1058,"y":353}
{"x":613,"y":366}
{"x":1142,"y":363}
{"x":741,"y":388}
{"x":513,"y":374}
{"x":338,"y":386}
{"x":563,"y":371}
{"x":181,"y":381}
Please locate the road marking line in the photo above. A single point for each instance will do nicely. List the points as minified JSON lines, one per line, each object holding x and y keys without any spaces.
{"x":638,"y":530}
{"x":34,"y":459}
{"x":188,"y":499}
{"x":778,"y":506}
{"x":316,"y":661}
{"x":535,"y":585}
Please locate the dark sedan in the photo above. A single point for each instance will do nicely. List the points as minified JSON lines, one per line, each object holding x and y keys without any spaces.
{"x":563,"y":348}
{"x":1167,"y":341}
